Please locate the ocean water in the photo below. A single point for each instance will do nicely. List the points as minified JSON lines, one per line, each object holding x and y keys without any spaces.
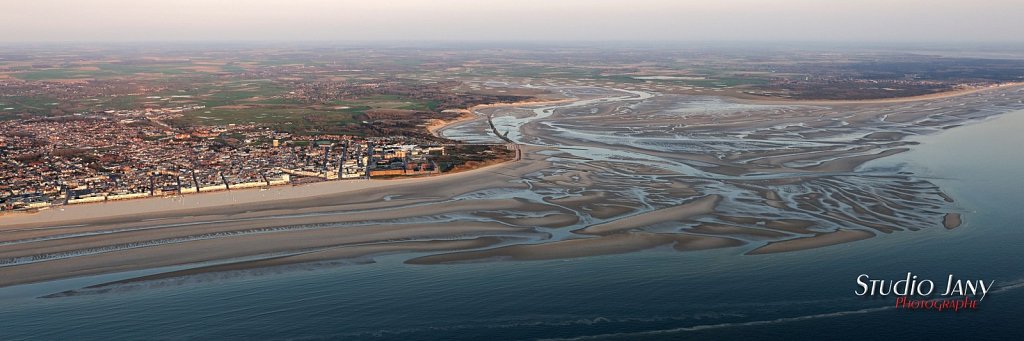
{"x":656,"y":294}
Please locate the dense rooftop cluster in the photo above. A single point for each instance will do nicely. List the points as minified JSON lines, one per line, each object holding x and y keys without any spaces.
{"x":115,"y":155}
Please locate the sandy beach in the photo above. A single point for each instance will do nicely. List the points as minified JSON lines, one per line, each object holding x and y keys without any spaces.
{"x":85,"y":239}
{"x":471,"y":114}
{"x":464,"y":116}
{"x":187,"y":204}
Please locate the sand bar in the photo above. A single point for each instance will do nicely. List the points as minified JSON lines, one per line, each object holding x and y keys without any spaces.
{"x":820,"y":240}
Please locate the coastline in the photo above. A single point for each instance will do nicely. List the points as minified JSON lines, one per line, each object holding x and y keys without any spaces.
{"x":751,"y":99}
{"x":58,"y":215}
{"x":470,"y":114}
{"x":434,"y":127}
{"x":225,"y":197}
{"x":314,"y":222}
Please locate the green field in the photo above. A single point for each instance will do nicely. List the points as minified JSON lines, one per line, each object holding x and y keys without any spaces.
{"x":46,"y":74}
{"x":28,"y":104}
{"x":294,"y":120}
{"x":106,"y":71}
{"x":127,"y":69}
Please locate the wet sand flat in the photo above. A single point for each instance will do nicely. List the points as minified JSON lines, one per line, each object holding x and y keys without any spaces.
{"x":699,"y":206}
{"x":820,"y":240}
{"x":582,"y":247}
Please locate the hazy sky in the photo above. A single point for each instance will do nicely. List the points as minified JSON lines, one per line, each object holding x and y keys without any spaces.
{"x":520,"y":20}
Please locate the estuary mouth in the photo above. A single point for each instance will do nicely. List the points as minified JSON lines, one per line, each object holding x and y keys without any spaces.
{"x":675,"y":171}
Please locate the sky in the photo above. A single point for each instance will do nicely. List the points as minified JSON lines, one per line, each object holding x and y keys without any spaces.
{"x":512,"y":20}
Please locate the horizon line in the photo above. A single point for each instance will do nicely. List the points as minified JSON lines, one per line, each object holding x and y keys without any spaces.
{"x":509,"y":41}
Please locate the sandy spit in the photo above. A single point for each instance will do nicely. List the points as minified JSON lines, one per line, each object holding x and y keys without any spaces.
{"x":819,"y":240}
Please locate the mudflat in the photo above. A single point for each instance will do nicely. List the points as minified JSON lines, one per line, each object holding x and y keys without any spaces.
{"x":604,"y":172}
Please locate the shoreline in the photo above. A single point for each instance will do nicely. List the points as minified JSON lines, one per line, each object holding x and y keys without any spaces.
{"x":55,"y":215}
{"x":752,"y":99}
{"x":313,"y":222}
{"x":435,"y":127}
{"x":470,"y":114}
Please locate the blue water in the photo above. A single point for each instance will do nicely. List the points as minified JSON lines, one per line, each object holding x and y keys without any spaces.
{"x":658,"y":294}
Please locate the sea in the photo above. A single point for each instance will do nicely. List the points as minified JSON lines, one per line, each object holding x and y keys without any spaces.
{"x":651,"y":295}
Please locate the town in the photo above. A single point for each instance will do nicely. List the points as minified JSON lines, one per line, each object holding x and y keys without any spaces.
{"x":128,"y":154}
